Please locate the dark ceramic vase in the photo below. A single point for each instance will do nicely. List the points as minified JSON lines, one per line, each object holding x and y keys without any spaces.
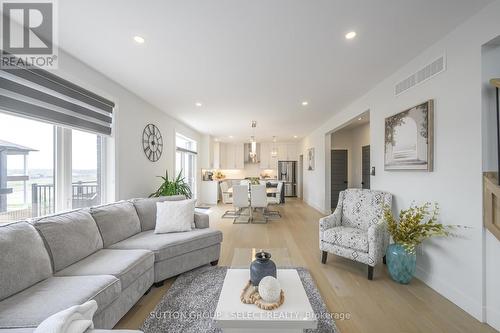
{"x":261,"y":267}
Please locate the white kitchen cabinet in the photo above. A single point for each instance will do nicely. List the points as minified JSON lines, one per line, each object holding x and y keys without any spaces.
{"x":292,"y":152}
{"x":282,"y":151}
{"x":231,"y":156}
{"x":209,"y":192}
{"x":287,"y":152}
{"x":265,"y":155}
{"x":216,"y":162}
{"x":239,"y":156}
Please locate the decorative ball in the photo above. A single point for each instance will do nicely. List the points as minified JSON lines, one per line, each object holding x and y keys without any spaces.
{"x":270,"y":289}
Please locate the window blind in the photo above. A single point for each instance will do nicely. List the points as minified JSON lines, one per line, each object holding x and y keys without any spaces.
{"x":35,"y":93}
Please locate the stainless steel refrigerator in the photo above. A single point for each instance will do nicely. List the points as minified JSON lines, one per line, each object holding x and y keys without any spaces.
{"x":287,"y":173}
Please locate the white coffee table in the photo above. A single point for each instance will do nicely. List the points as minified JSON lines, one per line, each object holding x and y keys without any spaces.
{"x":295,"y":315}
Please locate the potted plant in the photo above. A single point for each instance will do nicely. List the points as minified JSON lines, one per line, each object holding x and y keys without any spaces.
{"x":176,"y":186}
{"x":416,"y":224}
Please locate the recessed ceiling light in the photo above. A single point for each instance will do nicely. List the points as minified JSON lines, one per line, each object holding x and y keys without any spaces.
{"x":198,"y":104}
{"x":295,"y":137}
{"x":360,"y":118}
{"x":231,"y":136}
{"x":350,"y":35}
{"x":305,"y":103}
{"x":139,"y":39}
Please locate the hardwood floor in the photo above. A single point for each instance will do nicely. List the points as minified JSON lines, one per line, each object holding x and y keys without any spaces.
{"x":380,"y":305}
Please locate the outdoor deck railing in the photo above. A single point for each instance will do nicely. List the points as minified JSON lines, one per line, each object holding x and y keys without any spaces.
{"x":84,"y":194}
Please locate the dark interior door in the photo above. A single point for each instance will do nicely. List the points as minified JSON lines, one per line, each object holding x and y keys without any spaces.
{"x":365,"y":165}
{"x":339,"y":174}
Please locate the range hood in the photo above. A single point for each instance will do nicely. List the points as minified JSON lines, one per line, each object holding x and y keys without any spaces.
{"x":249,"y":157}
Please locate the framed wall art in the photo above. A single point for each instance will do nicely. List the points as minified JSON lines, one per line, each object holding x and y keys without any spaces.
{"x":311,"y":162}
{"x":409,"y":139}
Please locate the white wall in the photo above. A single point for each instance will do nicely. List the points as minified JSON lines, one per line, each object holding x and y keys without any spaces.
{"x":491,"y":69}
{"x":352,"y":139}
{"x":135,"y":175}
{"x":454,"y":266}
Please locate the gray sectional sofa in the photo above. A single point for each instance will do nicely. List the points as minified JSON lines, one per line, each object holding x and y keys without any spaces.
{"x":108,"y":253}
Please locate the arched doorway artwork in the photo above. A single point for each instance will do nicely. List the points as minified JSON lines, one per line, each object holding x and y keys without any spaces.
{"x":409,"y":139}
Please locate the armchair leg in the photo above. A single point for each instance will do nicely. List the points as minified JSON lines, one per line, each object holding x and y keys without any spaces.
{"x":384,"y":260}
{"x":370,"y":272}
{"x":324,"y":255}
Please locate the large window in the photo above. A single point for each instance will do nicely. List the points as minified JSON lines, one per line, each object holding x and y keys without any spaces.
{"x":185,"y":160}
{"x":86,"y":172}
{"x":34,"y":162}
{"x":26,"y":168}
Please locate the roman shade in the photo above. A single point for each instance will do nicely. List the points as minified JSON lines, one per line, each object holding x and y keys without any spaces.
{"x":35,"y":93}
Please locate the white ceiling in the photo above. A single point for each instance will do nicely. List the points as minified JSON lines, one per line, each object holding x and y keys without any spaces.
{"x":253,"y":59}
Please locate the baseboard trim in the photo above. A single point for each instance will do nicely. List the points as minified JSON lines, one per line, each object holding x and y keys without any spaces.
{"x":469,"y":305}
{"x":319,"y":209}
{"x":492,"y":317}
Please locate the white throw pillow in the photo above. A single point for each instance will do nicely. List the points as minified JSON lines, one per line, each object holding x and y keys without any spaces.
{"x":174,"y":216}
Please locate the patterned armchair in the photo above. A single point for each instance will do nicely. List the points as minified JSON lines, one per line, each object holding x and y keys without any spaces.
{"x":354,"y":230}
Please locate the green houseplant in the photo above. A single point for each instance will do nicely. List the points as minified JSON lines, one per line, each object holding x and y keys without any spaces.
{"x":415,"y":224}
{"x":176,"y":186}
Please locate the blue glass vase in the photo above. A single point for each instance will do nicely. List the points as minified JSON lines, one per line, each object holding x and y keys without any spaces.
{"x":400,"y":263}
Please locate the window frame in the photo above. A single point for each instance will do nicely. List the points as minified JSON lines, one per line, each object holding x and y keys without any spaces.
{"x":62,"y":167}
{"x":193,"y":153}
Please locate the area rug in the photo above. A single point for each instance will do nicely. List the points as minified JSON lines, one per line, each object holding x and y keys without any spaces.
{"x":190,"y":303}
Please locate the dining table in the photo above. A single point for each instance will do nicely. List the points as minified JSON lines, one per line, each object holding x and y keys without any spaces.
{"x":269,"y":190}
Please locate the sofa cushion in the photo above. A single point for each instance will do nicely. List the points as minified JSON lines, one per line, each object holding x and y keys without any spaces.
{"x":171,"y":245}
{"x":146,"y":209}
{"x":126,"y":265}
{"x":174,"y":216}
{"x":116,"y":221}
{"x":69,"y":237}
{"x":24,"y":259}
{"x":31,"y":306}
{"x":351,"y":238}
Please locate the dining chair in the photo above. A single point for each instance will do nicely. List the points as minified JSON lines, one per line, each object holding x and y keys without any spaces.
{"x":227,"y":198}
{"x":245,"y":182}
{"x":275,"y":200}
{"x":258,"y":200}
{"x":240,"y":202}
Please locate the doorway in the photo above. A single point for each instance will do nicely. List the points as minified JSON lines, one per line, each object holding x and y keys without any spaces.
{"x":339,"y":174}
{"x":349,"y":157}
{"x":300,"y":176}
{"x":365,"y":167}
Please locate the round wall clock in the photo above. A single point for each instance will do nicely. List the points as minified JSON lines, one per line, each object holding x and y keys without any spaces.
{"x":152,"y":142}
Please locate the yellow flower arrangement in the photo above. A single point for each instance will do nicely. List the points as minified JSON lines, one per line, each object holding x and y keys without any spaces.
{"x":416,"y":224}
{"x":218,"y":175}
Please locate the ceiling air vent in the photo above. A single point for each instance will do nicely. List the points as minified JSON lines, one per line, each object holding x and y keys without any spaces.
{"x":432,"y":69}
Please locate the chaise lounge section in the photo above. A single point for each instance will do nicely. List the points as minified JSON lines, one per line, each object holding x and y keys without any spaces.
{"x":107,"y":253}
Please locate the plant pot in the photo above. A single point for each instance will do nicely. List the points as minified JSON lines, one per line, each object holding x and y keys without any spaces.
{"x":261,"y":267}
{"x":400,"y":263}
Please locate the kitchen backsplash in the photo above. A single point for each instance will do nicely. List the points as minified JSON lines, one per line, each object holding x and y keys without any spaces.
{"x":251,"y":170}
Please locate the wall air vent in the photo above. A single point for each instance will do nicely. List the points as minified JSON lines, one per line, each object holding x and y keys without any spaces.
{"x":432,"y":69}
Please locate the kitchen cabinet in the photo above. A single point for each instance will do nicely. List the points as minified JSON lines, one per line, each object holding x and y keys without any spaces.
{"x":239,"y":156}
{"x":292,"y":152}
{"x":287,"y":152}
{"x":267,"y":161}
{"x":218,"y":155}
{"x":209,"y":192}
{"x":231,"y":156}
